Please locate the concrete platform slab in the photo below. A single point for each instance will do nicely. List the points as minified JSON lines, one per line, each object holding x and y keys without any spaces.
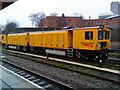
{"x":9,"y":78}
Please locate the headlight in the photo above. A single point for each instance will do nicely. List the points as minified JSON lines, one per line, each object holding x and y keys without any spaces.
{"x":98,"y":45}
{"x":109,"y":44}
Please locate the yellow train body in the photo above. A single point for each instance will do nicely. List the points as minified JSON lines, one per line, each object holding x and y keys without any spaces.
{"x":56,"y":39}
{"x":77,"y":42}
{"x":0,"y":39}
{"x":82,"y":40}
{"x":17,"y":39}
{"x":3,"y":39}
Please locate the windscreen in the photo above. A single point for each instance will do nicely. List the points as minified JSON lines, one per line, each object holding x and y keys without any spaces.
{"x":103,"y":35}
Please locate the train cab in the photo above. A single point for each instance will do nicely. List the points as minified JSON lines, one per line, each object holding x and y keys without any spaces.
{"x":91,"y":42}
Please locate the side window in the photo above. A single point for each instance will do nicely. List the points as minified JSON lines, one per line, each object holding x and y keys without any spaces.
{"x":89,"y":35}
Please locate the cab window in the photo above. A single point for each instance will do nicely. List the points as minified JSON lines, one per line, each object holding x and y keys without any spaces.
{"x":100,"y":35}
{"x":103,"y":35}
{"x":107,"y":35}
{"x":89,"y":35}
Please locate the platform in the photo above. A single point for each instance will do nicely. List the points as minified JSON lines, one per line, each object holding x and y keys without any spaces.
{"x":11,"y":80}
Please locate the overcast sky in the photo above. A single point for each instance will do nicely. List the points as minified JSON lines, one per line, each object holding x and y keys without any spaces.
{"x":20,"y":10}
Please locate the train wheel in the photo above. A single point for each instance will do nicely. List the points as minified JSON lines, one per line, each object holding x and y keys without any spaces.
{"x":6,"y":46}
{"x":31,"y":49}
{"x":18,"y":47}
{"x":24,"y":48}
{"x":78,"y":55}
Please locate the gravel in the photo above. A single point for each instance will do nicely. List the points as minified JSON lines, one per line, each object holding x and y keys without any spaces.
{"x":67,"y":77}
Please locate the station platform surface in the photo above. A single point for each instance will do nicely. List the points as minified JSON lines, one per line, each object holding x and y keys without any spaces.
{"x":11,"y":80}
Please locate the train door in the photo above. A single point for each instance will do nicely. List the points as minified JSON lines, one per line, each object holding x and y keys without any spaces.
{"x":70,"y":38}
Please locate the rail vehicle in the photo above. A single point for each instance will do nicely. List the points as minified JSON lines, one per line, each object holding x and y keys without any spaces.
{"x":86,"y":43}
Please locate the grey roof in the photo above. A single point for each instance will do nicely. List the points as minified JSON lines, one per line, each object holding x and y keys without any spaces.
{"x":113,"y":16}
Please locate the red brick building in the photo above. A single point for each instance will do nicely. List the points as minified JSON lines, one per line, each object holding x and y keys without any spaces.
{"x":58,"y":22}
{"x":62,"y":21}
{"x":114,"y":22}
{"x":93,"y":22}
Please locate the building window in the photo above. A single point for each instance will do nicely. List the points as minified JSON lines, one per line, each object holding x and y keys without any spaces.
{"x":88,"y":35}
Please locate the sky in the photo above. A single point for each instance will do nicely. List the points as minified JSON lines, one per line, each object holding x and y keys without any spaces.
{"x":21,"y":9}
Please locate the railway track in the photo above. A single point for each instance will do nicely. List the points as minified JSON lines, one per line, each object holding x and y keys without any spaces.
{"x":36,"y":78}
{"x":114,"y":60}
{"x":101,"y":74}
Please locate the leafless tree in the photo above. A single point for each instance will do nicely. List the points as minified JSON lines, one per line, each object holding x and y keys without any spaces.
{"x":10,"y":27}
{"x":57,"y":21}
{"x":36,"y":19}
{"x":61,"y":22}
{"x":1,"y":28}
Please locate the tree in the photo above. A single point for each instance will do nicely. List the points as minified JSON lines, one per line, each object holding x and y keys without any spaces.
{"x":57,"y":21}
{"x":1,"y":28}
{"x":36,"y":19}
{"x":10,"y":27}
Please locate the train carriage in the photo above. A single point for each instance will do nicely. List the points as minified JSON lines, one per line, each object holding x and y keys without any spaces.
{"x":91,"y":42}
{"x":18,"y":41}
{"x":86,"y":43}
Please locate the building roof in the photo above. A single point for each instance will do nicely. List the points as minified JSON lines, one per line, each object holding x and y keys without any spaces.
{"x":5,"y":3}
{"x":106,"y":14}
{"x":113,"y":16}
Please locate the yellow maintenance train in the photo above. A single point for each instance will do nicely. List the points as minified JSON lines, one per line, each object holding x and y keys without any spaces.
{"x":86,"y":43}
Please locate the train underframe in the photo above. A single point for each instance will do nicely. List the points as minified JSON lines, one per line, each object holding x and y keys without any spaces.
{"x":91,"y":55}
{"x":70,"y":52}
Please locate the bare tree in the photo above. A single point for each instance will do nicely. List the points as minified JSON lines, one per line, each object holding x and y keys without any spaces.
{"x":57,"y":21}
{"x":61,"y":22}
{"x":10,"y":27}
{"x":1,"y":28}
{"x":36,"y":18}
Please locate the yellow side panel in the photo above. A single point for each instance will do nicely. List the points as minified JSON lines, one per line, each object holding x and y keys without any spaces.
{"x":60,"y":41}
{"x":79,"y":41}
{"x":9,"y":39}
{"x":16,"y":40}
{"x":40,"y":40}
{"x":18,"y":37}
{"x":31,"y":41}
{"x":49,"y":40}
{"x":54,"y":41}
{"x":35,"y":39}
{"x":65,"y":41}
{"x":23,"y":40}
{"x":13,"y":40}
{"x":44,"y":41}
